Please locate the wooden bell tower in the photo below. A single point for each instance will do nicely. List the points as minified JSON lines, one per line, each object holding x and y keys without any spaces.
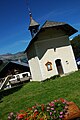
{"x":34,"y":26}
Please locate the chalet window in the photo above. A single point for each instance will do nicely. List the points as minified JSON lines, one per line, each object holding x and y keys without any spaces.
{"x":18,"y":77}
{"x":12,"y":77}
{"x":25,"y":75}
{"x":49,"y":66}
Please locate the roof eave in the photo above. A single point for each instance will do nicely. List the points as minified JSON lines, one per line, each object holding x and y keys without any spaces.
{"x":67,"y":28}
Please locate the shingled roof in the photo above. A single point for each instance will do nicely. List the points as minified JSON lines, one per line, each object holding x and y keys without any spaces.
{"x":69,"y":30}
{"x":52,"y":24}
{"x":32,"y":22}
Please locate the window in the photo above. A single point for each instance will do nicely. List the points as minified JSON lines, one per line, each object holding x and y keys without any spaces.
{"x":25,"y":75}
{"x":49,"y":66}
{"x":12,"y":77}
{"x":18,"y":77}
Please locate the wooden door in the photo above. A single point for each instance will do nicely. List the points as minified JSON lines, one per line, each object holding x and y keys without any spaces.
{"x":59,"y":67}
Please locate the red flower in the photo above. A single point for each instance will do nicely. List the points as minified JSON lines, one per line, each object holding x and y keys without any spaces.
{"x":29,"y":108}
{"x":33,"y":107}
{"x":36,"y":113}
{"x":41,"y":118}
{"x":63,"y":100}
{"x":20,"y":116}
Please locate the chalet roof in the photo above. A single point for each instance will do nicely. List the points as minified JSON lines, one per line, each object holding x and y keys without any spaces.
{"x":14,"y":62}
{"x":69,"y":30}
{"x":2,"y":66}
{"x":52,"y":24}
{"x":20,"y":63}
{"x":32,"y":22}
{"x":12,"y":66}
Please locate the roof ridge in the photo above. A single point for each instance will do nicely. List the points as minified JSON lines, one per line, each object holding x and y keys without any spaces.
{"x":52,"y":23}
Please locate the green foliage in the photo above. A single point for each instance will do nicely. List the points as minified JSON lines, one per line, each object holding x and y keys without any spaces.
{"x":54,"y":110}
{"x":75,"y":42}
{"x":67,"y":87}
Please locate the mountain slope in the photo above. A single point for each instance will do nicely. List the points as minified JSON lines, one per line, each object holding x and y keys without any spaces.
{"x":14,"y":57}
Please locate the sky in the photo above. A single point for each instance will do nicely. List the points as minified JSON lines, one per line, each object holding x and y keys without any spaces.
{"x":14,"y":20}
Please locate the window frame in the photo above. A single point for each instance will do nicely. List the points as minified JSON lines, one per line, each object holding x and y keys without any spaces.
{"x":49,"y":66}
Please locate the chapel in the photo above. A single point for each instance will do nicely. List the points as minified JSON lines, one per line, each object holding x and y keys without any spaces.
{"x":49,"y":51}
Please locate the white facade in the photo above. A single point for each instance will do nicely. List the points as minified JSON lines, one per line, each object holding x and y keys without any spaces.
{"x":53,"y":47}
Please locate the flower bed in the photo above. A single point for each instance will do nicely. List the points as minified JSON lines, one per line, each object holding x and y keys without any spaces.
{"x":55,"y":110}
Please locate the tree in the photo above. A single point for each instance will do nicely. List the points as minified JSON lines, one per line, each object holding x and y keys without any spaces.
{"x":75,"y":42}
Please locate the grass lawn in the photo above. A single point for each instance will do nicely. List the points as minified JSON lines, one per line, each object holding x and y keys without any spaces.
{"x":67,"y":87}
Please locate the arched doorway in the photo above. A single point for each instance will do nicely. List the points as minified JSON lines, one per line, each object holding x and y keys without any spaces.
{"x":59,"y":67}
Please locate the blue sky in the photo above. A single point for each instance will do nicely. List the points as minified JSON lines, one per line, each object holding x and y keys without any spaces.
{"x":14,"y":20}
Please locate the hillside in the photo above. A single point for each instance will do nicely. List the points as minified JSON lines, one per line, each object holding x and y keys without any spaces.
{"x":11,"y":57}
{"x":67,"y":87}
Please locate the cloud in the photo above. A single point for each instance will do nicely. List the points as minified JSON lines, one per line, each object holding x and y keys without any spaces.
{"x":19,"y":42}
{"x":57,"y":13}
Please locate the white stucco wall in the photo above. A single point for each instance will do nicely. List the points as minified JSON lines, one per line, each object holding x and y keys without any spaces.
{"x":68,"y":59}
{"x":50,"y":46}
{"x":45,"y":51}
{"x":35,"y":69}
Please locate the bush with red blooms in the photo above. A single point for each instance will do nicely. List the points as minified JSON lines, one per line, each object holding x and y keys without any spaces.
{"x":55,"y":110}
